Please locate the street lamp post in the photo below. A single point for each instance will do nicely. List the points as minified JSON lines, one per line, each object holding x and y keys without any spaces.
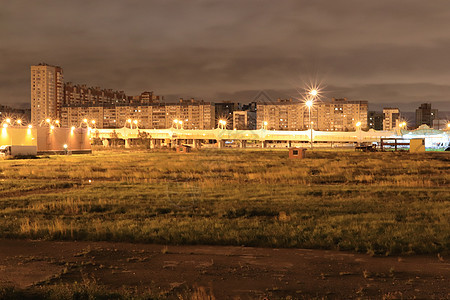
{"x":358,"y":128}
{"x":313,"y":93}
{"x":309,"y":104}
{"x":222,"y":124}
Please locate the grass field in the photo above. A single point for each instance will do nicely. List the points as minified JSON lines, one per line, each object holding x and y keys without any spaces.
{"x":376,"y":203}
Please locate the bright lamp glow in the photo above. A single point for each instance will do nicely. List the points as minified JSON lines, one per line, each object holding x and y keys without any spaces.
{"x":52,"y":127}
{"x":358,"y":124}
{"x":265,"y":123}
{"x":313,"y":92}
{"x":135,"y":121}
{"x":30,"y":126}
{"x":309,"y":103}
{"x":47,"y":120}
{"x":85,"y":120}
{"x":57,"y":121}
{"x":129,"y":120}
{"x":19,"y":121}
{"x":5,"y":125}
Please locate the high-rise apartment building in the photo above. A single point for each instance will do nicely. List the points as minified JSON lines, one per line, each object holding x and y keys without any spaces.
{"x":47,"y":92}
{"x":195,"y":114}
{"x":340,"y":115}
{"x":375,"y":120}
{"x":391,"y":118}
{"x":289,"y":114}
{"x":285,"y":114}
{"x":224,"y":111}
{"x":425,"y":115}
{"x":244,"y":120}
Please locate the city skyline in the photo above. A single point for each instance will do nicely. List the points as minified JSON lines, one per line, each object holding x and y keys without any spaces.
{"x":384,"y":52}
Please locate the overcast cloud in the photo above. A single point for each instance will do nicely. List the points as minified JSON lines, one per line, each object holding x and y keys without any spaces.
{"x":387,"y":52}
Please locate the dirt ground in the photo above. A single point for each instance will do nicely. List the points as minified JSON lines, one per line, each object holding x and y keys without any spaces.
{"x":224,"y":272}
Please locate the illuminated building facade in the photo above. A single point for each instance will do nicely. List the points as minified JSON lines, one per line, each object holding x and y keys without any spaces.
{"x":391,"y":119}
{"x":244,"y":120}
{"x":289,"y":114}
{"x":82,"y":95}
{"x":47,"y":92}
{"x":193,"y":114}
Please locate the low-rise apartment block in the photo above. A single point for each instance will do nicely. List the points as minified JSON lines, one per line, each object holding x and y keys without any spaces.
{"x":190,"y":114}
{"x":289,"y":114}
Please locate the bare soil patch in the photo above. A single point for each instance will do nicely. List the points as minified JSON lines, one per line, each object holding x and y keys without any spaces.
{"x":224,"y":272}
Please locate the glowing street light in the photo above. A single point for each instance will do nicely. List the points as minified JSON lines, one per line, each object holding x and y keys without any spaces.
{"x":5,"y":125}
{"x":309,"y":104}
{"x":129,"y":121}
{"x":313,"y":92}
{"x":19,"y":122}
{"x":223,"y":123}
{"x":265,"y":124}
{"x":358,"y":128}
{"x":52,"y":127}
{"x":30,"y":126}
{"x":48,"y":120}
{"x":8,"y":121}
{"x":175,"y":121}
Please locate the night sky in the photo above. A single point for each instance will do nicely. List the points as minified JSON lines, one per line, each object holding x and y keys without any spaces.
{"x":391,"y":53}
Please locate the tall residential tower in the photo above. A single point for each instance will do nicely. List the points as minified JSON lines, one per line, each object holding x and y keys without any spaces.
{"x":47,"y":92}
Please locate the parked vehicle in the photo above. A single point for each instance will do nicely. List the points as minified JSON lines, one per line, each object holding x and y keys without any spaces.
{"x":16,"y":150}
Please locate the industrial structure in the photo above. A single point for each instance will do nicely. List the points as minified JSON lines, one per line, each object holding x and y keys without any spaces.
{"x":46,"y":139}
{"x":262,"y":138}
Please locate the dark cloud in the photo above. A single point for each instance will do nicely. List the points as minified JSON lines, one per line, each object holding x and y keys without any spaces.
{"x":383,"y":51}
